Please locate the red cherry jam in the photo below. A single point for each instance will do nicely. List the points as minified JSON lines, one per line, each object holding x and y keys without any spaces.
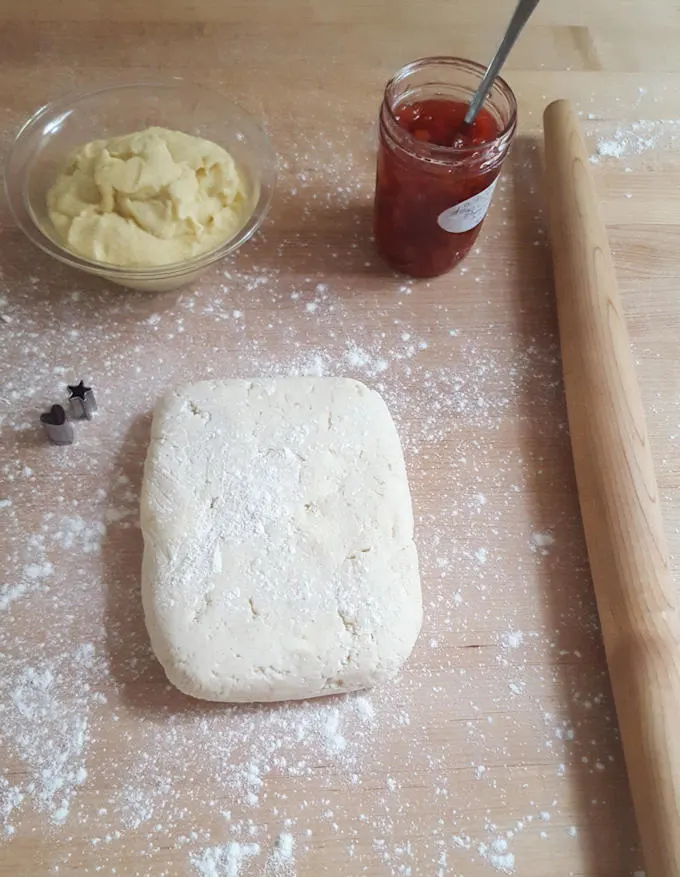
{"x":431,"y":165}
{"x":442,"y":122}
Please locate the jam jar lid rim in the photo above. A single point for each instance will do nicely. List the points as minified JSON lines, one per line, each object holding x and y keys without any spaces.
{"x":452,"y":60}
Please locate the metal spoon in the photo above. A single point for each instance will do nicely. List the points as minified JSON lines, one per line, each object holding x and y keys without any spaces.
{"x":519,"y":18}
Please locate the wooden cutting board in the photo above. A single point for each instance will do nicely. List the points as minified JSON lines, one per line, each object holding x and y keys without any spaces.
{"x":497,"y":750}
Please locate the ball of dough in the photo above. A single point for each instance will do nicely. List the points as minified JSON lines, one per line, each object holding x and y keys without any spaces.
{"x":279,"y":560}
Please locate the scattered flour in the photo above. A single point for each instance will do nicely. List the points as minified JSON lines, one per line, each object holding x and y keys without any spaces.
{"x":361,"y":359}
{"x":77,"y":669}
{"x":73,"y":531}
{"x":224,"y":861}
{"x":513,"y":639}
{"x":281,"y":862}
{"x":497,"y":855}
{"x":284,"y":847}
{"x":638,"y":138}
{"x":31,"y":578}
{"x":49,"y":728}
{"x":504,"y":862}
{"x":542,"y":542}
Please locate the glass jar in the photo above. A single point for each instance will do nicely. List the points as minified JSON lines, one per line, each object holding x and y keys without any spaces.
{"x":435,"y":177}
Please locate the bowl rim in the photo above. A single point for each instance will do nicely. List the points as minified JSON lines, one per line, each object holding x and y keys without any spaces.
{"x":24,"y":219}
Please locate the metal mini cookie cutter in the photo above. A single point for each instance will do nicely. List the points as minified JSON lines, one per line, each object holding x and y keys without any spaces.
{"x":82,"y":401}
{"x":59,"y":430}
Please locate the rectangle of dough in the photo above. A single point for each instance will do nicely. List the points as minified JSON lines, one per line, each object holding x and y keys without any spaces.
{"x":279,"y":560}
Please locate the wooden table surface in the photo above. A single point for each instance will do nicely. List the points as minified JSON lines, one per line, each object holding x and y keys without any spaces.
{"x":496,"y":752}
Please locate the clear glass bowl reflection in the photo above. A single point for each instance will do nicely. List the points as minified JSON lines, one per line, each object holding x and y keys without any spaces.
{"x":55,"y":130}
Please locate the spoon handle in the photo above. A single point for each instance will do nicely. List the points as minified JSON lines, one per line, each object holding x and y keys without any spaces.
{"x":519,"y":18}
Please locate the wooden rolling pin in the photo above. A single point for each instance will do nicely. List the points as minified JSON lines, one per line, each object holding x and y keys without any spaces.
{"x":618,"y":494}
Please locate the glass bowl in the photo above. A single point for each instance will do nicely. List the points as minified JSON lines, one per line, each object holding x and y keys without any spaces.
{"x":55,"y":130}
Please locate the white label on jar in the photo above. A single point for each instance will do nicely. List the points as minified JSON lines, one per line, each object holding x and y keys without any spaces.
{"x":466,"y":215}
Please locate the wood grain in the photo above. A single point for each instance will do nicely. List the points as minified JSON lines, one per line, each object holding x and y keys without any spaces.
{"x":618,"y":493}
{"x":510,"y":738}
